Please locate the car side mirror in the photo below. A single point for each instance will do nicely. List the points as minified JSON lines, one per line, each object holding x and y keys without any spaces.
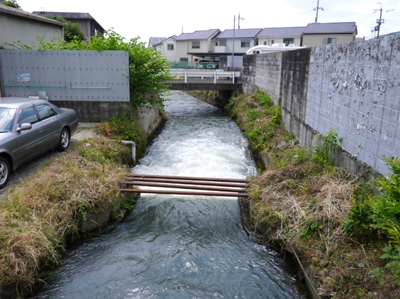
{"x":24,"y":127}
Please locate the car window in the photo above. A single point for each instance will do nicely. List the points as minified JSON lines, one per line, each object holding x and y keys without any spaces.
{"x":45,"y":111}
{"x":6,"y":118}
{"x":28,"y":115}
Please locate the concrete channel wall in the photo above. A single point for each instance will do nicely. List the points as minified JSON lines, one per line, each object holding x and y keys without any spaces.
{"x":353,"y":88}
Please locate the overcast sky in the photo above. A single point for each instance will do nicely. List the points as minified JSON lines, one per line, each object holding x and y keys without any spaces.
{"x":162,"y":18}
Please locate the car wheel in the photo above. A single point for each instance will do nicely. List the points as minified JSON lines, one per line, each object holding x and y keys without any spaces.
{"x":63,"y":144}
{"x":4,"y":172}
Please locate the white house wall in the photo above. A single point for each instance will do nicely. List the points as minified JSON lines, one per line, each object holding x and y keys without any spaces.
{"x":238,"y":48}
{"x":320,"y":39}
{"x":261,"y":40}
{"x":170,"y":55}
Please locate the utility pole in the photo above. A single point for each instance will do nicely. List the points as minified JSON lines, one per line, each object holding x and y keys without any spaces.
{"x":316,"y":9}
{"x":239,"y":18}
{"x":379,"y":21}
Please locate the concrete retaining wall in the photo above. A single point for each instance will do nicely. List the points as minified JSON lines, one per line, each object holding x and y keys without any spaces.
{"x":353,"y":88}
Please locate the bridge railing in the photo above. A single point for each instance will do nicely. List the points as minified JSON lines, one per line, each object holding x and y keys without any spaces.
{"x":215,"y":75}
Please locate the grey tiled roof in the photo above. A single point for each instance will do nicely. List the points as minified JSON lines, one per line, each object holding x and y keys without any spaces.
{"x":156,"y":40}
{"x":65,"y":15}
{"x":281,"y":32}
{"x":71,"y":16}
{"x":199,"y":34}
{"x":321,"y":28}
{"x":239,"y":33}
{"x":24,"y":14}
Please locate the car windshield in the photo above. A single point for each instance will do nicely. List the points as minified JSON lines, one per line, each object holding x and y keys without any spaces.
{"x":6,"y":118}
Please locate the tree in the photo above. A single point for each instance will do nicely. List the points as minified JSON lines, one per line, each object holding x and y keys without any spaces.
{"x":72,"y":31}
{"x":12,"y":3}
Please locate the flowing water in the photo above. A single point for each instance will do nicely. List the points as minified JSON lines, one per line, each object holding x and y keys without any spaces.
{"x":180,"y":246}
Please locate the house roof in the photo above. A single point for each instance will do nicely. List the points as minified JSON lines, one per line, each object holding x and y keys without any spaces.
{"x":239,"y":33}
{"x":199,"y":34}
{"x":321,"y":28}
{"x":281,"y":31}
{"x":155,"y":40}
{"x":69,"y":16}
{"x":24,"y":14}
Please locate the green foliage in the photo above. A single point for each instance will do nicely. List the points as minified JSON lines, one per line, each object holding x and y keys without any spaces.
{"x":293,"y":156}
{"x":72,"y":31}
{"x":312,"y":229}
{"x":391,"y":184}
{"x":125,"y":128}
{"x":12,"y":3}
{"x":392,"y":253}
{"x":253,"y":114}
{"x":328,"y":143}
{"x":386,"y":208}
{"x":263,"y":99}
{"x":147,"y":68}
{"x":360,"y":217}
{"x":381,"y":212}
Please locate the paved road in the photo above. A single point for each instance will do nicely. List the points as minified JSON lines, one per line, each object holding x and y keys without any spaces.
{"x":84,"y":131}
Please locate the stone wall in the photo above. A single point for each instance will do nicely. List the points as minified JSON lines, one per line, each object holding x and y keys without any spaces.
{"x":353,"y":88}
{"x":263,"y":72}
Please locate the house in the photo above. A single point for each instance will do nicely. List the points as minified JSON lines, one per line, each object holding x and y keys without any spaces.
{"x":167,"y":47}
{"x":23,"y":27}
{"x":236,"y":41}
{"x":154,"y":42}
{"x":195,"y":46}
{"x":89,"y":26}
{"x":318,"y":34}
{"x":286,"y":35}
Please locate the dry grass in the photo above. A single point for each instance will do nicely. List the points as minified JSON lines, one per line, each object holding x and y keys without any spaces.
{"x":38,"y":215}
{"x":305,"y":211}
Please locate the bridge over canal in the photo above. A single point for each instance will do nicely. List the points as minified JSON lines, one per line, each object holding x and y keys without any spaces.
{"x":224,"y":82}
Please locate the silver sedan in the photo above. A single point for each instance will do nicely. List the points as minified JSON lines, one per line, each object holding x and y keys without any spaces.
{"x":30,"y":127}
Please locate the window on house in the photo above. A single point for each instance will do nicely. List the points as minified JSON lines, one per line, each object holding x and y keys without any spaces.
{"x":195,"y":44}
{"x":222,"y":42}
{"x":183,"y":59}
{"x":331,"y":40}
{"x":170,"y":47}
{"x":272,"y":41}
{"x":265,"y":43}
{"x":245,"y":44}
{"x":288,"y":41}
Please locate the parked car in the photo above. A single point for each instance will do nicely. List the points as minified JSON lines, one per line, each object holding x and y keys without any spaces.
{"x":30,"y":127}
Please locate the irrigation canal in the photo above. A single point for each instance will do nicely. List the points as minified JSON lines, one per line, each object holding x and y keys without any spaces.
{"x":180,"y":246}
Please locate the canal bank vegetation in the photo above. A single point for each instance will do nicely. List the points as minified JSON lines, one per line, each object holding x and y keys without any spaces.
{"x":346,"y":235}
{"x":42,"y":214}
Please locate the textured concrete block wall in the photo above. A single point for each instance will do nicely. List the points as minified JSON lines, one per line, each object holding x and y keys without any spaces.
{"x":263,"y":72}
{"x":294,"y":93}
{"x":355,"y":89}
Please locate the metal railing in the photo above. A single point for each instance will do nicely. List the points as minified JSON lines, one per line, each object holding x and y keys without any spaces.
{"x":194,"y":65}
{"x":215,"y":75}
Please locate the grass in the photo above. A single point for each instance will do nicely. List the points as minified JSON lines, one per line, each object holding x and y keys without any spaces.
{"x":302,"y":202}
{"x":40,"y":215}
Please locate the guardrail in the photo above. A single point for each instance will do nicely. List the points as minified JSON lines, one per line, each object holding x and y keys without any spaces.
{"x":185,"y":74}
